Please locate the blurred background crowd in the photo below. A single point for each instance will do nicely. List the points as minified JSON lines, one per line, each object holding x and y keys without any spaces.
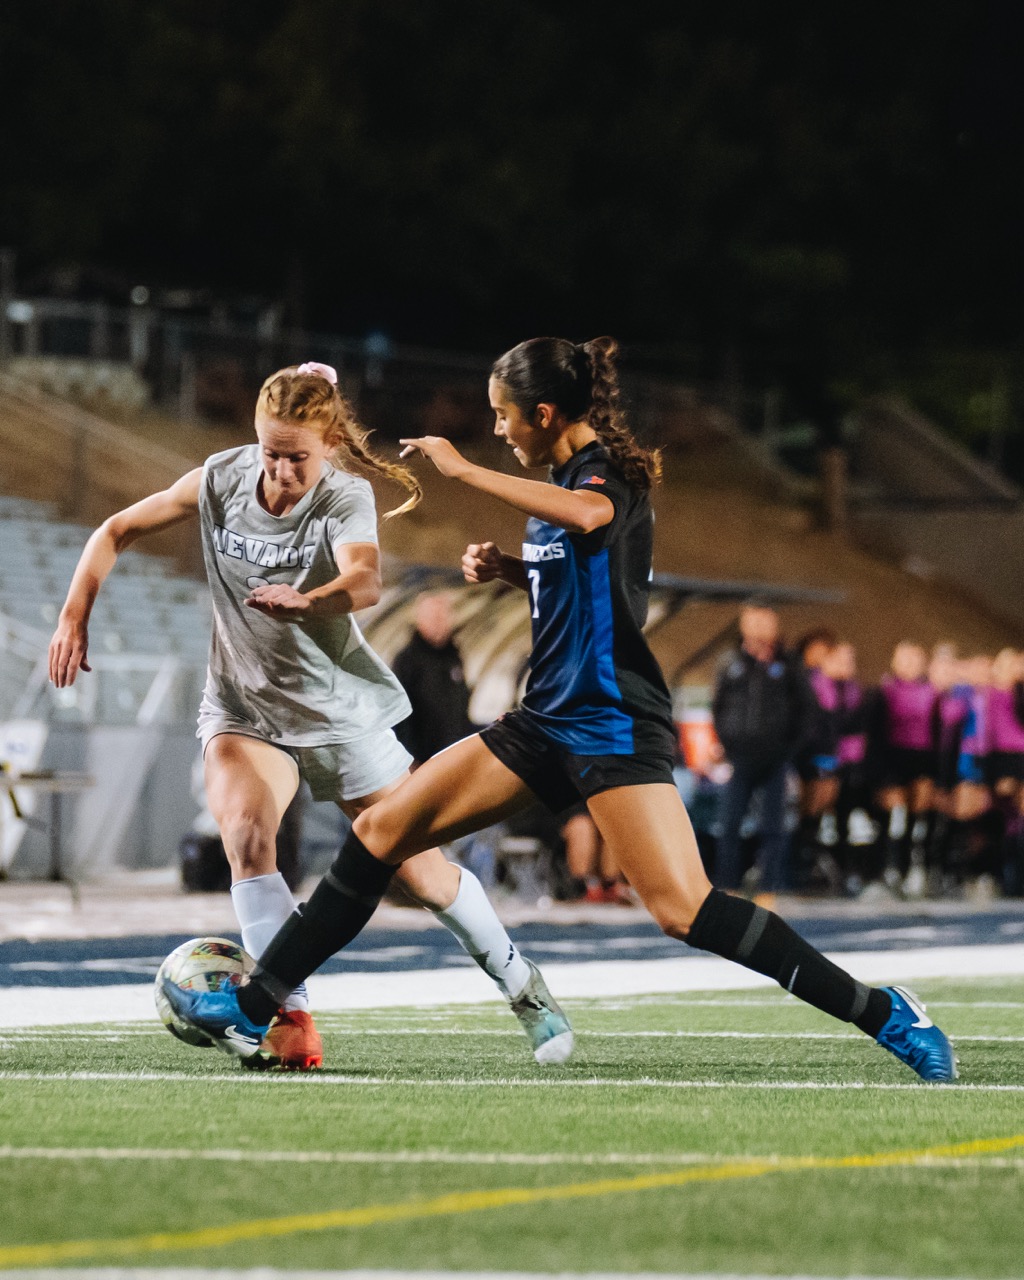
{"x":805,"y":779}
{"x":910,"y":787}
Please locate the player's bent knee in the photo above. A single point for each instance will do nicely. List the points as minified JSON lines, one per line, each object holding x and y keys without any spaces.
{"x":673,"y":917}
{"x":674,"y":913}
{"x":380,"y":830}
{"x":433,"y":882}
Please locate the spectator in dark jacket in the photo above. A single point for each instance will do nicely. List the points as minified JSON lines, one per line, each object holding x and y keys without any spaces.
{"x":430,"y":670}
{"x":762,"y":708}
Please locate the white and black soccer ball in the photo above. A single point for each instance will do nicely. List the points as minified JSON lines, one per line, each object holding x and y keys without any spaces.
{"x":200,"y":964}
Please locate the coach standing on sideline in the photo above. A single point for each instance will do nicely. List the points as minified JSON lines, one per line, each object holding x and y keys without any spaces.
{"x":762,"y":712}
{"x":430,"y":669}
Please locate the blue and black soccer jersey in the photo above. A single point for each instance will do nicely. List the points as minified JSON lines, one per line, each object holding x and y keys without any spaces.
{"x":595,"y":687}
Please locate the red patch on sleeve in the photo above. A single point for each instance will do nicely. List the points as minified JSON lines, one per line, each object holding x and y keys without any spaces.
{"x":594,"y":480}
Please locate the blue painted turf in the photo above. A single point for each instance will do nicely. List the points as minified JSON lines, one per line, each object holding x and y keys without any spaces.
{"x":107,"y":961}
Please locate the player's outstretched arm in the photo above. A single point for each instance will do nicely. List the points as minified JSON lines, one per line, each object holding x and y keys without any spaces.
{"x":574,"y":510}
{"x":69,"y":647}
{"x":486,"y":562}
{"x":357,"y":586}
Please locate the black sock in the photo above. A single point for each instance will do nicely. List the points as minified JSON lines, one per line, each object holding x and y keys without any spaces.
{"x":935,"y":853}
{"x":993,"y":827}
{"x":339,"y":906}
{"x":954,"y":848}
{"x":760,"y":940}
{"x":873,"y":855}
{"x":807,"y":849}
{"x":842,"y":850}
{"x":1013,"y":858}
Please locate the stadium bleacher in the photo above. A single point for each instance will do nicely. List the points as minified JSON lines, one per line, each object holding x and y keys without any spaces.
{"x":145,"y":609}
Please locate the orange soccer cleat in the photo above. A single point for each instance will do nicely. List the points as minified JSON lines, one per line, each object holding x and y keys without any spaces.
{"x":293,"y":1043}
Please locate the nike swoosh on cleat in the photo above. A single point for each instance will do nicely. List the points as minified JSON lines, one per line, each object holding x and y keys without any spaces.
{"x":924,"y":1021}
{"x":240,"y":1040}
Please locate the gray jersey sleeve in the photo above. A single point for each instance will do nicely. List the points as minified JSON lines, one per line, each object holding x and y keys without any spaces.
{"x":353,"y":514}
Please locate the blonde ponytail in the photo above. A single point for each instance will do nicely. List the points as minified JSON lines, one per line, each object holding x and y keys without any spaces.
{"x":309,"y":396}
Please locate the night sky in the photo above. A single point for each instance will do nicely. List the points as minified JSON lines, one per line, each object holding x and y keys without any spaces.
{"x":799,"y":186}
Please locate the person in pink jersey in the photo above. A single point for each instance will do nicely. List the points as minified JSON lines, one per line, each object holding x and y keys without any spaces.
{"x":904,"y":735}
{"x":1006,"y":761}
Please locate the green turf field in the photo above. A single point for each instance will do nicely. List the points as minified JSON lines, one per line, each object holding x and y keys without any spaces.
{"x":730,"y":1132}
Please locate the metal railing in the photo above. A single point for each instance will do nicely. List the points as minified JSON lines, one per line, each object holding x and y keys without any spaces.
{"x":209,"y":367}
{"x":125,"y":689}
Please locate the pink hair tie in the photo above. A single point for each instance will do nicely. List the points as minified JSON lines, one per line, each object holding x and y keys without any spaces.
{"x":320,"y":370}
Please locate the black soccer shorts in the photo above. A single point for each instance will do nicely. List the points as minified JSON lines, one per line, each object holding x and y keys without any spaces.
{"x":558,"y":777}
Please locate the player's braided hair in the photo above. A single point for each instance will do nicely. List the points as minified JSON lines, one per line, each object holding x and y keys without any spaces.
{"x":312,"y":400}
{"x":583,"y":383}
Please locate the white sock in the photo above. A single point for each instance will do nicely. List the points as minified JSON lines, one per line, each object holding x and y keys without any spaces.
{"x":262,"y":905}
{"x":471,"y":918}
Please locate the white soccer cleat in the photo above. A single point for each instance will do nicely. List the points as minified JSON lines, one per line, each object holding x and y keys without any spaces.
{"x":546,"y":1026}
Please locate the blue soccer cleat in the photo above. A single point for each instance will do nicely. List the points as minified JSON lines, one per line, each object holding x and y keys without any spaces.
{"x":912,"y":1036}
{"x":217,"y":1014}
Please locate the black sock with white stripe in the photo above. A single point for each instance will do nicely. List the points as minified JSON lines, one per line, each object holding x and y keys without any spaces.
{"x":760,"y":940}
{"x":339,"y":906}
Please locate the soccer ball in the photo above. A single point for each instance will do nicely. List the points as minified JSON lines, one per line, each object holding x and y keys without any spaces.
{"x":200,"y":964}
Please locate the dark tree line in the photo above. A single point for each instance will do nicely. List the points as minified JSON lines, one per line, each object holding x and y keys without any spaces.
{"x":809,"y":185}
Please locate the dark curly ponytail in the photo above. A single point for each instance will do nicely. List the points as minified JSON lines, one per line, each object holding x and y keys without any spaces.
{"x":641,"y":467}
{"x":583,"y":383}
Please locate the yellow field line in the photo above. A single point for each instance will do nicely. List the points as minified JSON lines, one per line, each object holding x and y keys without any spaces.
{"x":459,"y":1202}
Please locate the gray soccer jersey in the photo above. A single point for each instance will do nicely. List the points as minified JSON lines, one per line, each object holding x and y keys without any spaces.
{"x":297,"y":683}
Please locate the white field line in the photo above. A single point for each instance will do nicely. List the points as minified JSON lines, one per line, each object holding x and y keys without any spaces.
{"x":777,"y":999}
{"x":589,"y":1034}
{"x":369,"y":1157}
{"x":976,"y":1004}
{"x":514,"y":1158}
{"x":63,"y":1006}
{"x":780,"y":1000}
{"x":28,"y":1036}
{"x":317,"y":1079}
